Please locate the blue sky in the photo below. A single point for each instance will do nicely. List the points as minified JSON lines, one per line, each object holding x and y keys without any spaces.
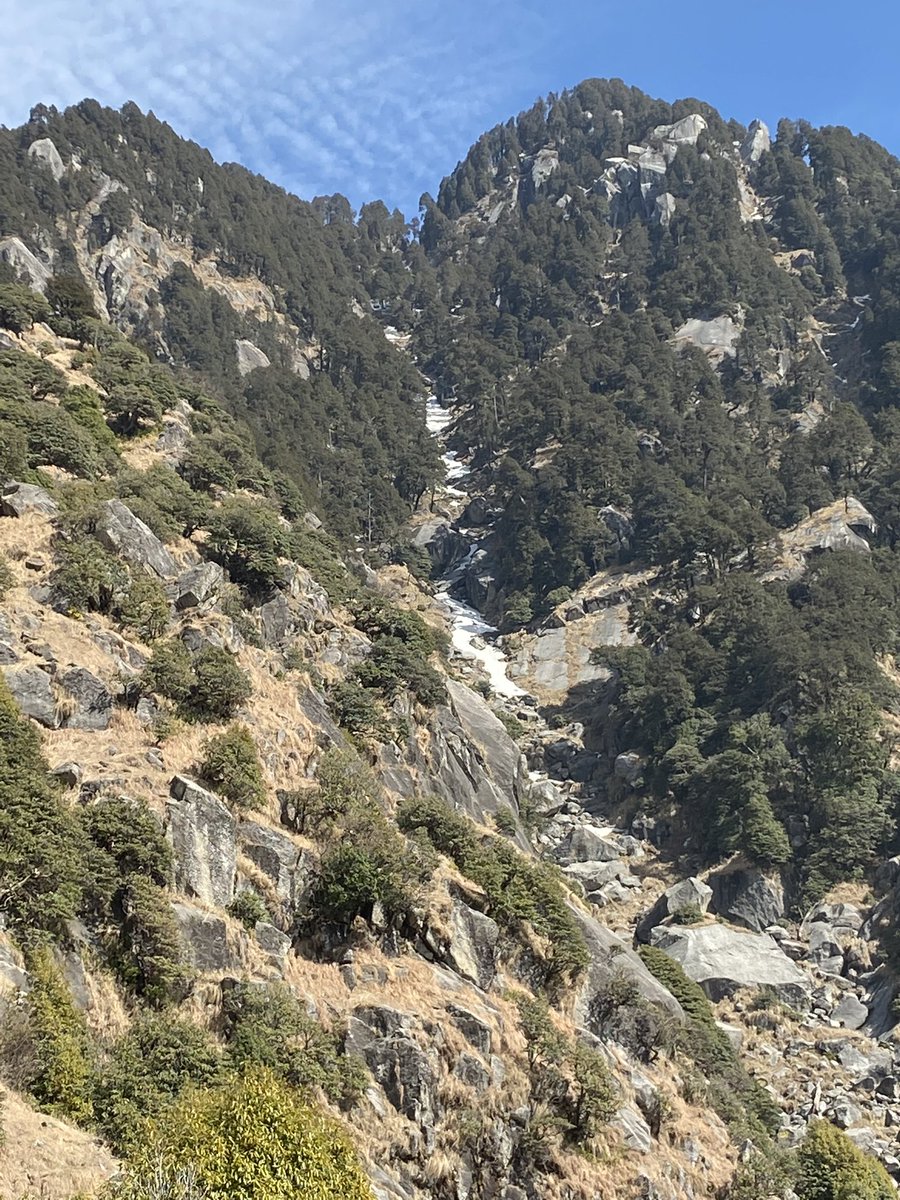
{"x":381,"y":98}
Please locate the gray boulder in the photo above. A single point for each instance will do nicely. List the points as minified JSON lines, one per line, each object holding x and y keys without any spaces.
{"x":747,"y":897}
{"x":44,"y":151}
{"x":198,"y":585}
{"x":472,"y":950}
{"x":273,"y":941}
{"x":684,"y":132}
{"x":595,"y":875}
{"x":689,"y":896}
{"x":32,"y":690}
{"x":444,"y":544}
{"x":724,"y":961}
{"x":20,"y":498}
{"x":68,"y":774}
{"x":201,"y":831}
{"x":850,"y":1012}
{"x":122,"y":533}
{"x":587,"y":844}
{"x":93,"y":700}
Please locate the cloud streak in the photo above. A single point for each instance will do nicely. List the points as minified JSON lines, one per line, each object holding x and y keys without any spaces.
{"x":370,"y":100}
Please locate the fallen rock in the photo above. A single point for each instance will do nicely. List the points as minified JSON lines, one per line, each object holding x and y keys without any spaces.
{"x":93,"y":700}
{"x":32,"y":690}
{"x":68,"y":774}
{"x":747,"y":897}
{"x":587,"y":844}
{"x":21,"y":498}
{"x":201,"y":831}
{"x":724,"y":961}
{"x":198,"y":585}
{"x":689,"y":897}
{"x":850,"y":1012}
{"x":122,"y":533}
{"x":250,"y":357}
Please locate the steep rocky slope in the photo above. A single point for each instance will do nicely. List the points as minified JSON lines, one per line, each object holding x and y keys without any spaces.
{"x":376,"y":838}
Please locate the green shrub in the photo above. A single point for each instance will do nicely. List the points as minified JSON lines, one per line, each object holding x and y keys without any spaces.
{"x":89,"y":578}
{"x":231,"y":764}
{"x":170,"y":671}
{"x":42,"y":845}
{"x":145,"y":608}
{"x":163,"y":501}
{"x":356,"y":708}
{"x":63,"y":1075}
{"x":248,"y":908}
{"x":516,"y":889}
{"x":149,"y":958}
{"x":505,"y":821}
{"x":20,"y":307}
{"x":220,"y":685}
{"x":320,"y":555}
{"x":149,"y":1067}
{"x":295,"y":1152}
{"x":206,"y":686}
{"x":394,"y":666}
{"x":511,"y":724}
{"x":370,"y":864}
{"x":127,"y":831}
{"x":831,"y":1167}
{"x":343,"y":785}
{"x":83,"y":405}
{"x":247,"y":538}
{"x":267,"y":1026}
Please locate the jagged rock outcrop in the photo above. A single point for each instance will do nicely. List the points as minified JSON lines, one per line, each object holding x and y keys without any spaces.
{"x":16,"y":254}
{"x":472,"y":945}
{"x":122,"y":533}
{"x":204,"y":938}
{"x":385,"y":1039}
{"x":202,"y":833}
{"x":756,"y":143}
{"x":285,"y":867}
{"x":725,"y":961}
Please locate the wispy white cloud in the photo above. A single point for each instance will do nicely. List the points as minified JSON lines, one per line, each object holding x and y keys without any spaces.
{"x":368,"y":99}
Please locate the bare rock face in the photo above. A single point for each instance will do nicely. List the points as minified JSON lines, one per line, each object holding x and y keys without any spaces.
{"x":250,"y":357}
{"x":204,"y":938}
{"x":44,"y":151}
{"x":724,"y":961}
{"x":122,"y":533}
{"x":717,"y":337}
{"x":201,"y":831}
{"x":385,"y":1040}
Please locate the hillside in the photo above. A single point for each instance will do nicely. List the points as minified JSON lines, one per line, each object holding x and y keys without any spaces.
{"x":301,"y":859}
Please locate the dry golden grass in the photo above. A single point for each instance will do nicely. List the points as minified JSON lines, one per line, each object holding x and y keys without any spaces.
{"x":47,"y":1158}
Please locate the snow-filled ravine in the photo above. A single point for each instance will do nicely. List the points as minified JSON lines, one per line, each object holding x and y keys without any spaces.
{"x":472,"y":637}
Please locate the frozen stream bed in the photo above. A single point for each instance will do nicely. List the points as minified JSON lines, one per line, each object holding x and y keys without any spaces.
{"x":472,"y":637}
